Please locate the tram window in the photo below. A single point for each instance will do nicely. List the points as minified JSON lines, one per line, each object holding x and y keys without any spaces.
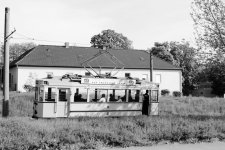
{"x":63,"y":94}
{"x":120,"y":96}
{"x":96,"y":94}
{"x":137,"y":96}
{"x":50,"y":94}
{"x":154,"y":96}
{"x":133,"y":95}
{"x":80,"y":95}
{"x":93,"y":95}
{"x":41,"y":94}
{"x":37,"y":93}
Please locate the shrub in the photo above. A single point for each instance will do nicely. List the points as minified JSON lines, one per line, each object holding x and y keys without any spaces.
{"x":165,"y":92}
{"x":177,"y":94}
{"x":29,"y":88}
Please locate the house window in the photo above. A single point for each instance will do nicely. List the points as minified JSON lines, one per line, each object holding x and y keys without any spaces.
{"x":127,"y":74}
{"x":87,"y":74}
{"x":158,"y":78}
{"x":10,"y":80}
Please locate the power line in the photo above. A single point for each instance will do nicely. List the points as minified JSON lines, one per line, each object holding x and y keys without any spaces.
{"x":24,"y":37}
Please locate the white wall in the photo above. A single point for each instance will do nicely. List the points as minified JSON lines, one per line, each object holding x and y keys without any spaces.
{"x":170,"y":79}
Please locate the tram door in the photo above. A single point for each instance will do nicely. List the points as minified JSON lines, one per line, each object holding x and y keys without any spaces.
{"x":62,"y":103}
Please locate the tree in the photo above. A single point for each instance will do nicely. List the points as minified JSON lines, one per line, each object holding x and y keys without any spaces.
{"x":216,"y":76}
{"x":161,"y":50}
{"x":111,"y":40}
{"x":209,"y":19}
{"x":184,"y":57}
{"x":16,"y":49}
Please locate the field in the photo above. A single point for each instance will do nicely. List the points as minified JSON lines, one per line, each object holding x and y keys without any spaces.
{"x":186,"y":120}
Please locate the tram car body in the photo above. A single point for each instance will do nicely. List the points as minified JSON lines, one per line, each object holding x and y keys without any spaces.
{"x":73,"y":96}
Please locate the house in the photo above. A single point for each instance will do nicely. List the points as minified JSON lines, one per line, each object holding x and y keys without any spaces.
{"x":59,"y":60}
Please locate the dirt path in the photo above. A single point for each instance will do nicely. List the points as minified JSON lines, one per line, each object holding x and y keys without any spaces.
{"x":198,"y":146}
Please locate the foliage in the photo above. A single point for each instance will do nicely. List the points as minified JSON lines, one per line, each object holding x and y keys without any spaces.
{"x":16,"y":49}
{"x":161,"y":50}
{"x":216,"y":76}
{"x":176,"y":93}
{"x":182,"y":55}
{"x":185,"y":57}
{"x":95,"y":133}
{"x":209,"y":19}
{"x":191,"y":106}
{"x":165,"y":92}
{"x":110,"y":40}
{"x":29,"y":86}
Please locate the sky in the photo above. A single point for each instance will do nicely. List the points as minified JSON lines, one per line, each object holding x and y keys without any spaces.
{"x":54,"y":22}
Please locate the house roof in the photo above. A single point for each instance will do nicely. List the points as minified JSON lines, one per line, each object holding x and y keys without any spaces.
{"x":59,"y":56}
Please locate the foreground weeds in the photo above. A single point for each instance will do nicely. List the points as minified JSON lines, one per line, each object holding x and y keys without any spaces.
{"x":185,"y":119}
{"x":94,"y":133}
{"x":192,"y":106}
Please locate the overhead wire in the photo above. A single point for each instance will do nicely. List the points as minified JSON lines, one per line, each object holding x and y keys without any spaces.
{"x":24,"y":37}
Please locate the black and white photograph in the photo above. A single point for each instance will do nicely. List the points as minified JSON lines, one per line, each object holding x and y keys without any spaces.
{"x":112,"y":74}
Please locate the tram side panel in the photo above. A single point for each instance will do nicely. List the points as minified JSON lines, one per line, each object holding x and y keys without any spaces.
{"x":105,"y":109}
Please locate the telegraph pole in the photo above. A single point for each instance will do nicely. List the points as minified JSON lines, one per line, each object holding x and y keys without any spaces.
{"x":5,"y":106}
{"x":151,"y":65}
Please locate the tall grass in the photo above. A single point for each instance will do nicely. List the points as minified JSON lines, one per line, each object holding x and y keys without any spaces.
{"x":20,"y":104}
{"x":93,"y":133}
{"x":192,"y":106}
{"x":185,"y":119}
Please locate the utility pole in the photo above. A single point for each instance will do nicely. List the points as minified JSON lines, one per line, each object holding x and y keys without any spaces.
{"x":151,"y":65}
{"x":5,"y":106}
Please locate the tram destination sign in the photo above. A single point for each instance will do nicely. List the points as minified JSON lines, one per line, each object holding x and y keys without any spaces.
{"x":101,"y":81}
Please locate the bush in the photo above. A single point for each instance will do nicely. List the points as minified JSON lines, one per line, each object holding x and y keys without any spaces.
{"x":177,"y":94}
{"x":165,"y":92}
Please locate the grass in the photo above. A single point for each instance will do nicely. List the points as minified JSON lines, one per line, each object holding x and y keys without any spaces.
{"x":186,"y":119}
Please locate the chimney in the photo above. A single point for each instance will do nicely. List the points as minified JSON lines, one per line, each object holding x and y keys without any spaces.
{"x":67,"y":45}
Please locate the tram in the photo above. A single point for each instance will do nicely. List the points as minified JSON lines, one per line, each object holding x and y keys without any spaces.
{"x":75,"y":95}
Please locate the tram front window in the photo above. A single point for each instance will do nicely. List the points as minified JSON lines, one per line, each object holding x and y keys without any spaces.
{"x":50,"y":94}
{"x":63,"y":95}
{"x":41,"y":94}
{"x":154,"y":96}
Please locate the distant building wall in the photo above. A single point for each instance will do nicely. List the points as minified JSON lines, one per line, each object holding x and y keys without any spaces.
{"x":167,"y":79}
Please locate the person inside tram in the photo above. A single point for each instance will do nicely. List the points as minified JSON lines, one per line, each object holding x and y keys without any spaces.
{"x":111,"y":98}
{"x":80,"y":98}
{"x":123,"y":98}
{"x":102,"y":99}
{"x":119,"y":99}
{"x":130,"y":98}
{"x":76,"y":97}
{"x":137,"y":97}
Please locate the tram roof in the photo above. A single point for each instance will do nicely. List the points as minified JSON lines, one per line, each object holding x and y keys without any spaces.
{"x":60,"y":82}
{"x":72,"y":57}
